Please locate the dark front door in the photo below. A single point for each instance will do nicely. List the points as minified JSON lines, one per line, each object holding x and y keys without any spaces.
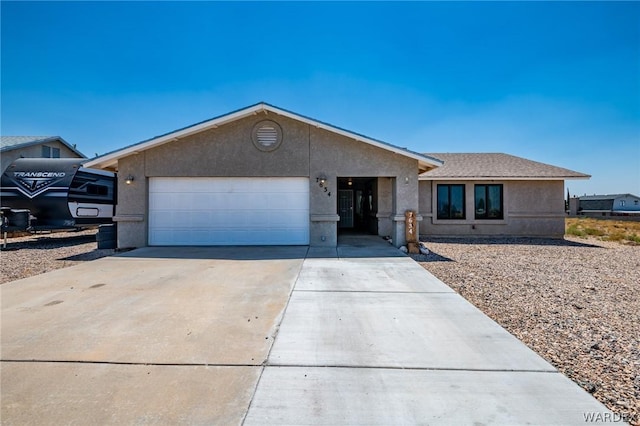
{"x":345,"y":208}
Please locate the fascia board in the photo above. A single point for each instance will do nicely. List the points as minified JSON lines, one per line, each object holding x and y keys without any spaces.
{"x":472,"y":178}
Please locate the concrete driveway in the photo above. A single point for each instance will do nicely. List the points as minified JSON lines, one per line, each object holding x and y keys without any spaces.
{"x":360,"y":334}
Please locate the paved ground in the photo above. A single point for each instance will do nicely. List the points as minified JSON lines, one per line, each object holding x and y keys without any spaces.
{"x":355,"y":335}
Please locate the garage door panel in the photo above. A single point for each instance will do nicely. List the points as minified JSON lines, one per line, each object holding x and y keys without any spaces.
{"x":228,"y":211}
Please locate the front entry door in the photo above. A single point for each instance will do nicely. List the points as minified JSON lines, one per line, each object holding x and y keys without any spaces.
{"x":345,"y":208}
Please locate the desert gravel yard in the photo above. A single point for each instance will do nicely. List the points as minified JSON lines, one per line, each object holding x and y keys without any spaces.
{"x":39,"y":253}
{"x":576,"y":302}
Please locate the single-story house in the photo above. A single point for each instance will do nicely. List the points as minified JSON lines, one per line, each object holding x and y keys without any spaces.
{"x":605,"y":205}
{"x":493,"y":194}
{"x":14,"y":147}
{"x":263,"y":175}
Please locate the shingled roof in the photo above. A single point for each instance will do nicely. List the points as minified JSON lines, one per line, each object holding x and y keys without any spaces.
{"x":9,"y":143}
{"x":604,"y":197}
{"x":495,"y":166}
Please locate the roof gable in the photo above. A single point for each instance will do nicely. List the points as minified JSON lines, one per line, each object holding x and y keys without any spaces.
{"x":10,"y":143}
{"x":495,"y":166}
{"x":111,"y":159}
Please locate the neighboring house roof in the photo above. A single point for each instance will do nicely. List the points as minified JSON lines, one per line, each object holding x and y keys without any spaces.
{"x":110,"y":159}
{"x":605,"y":197}
{"x":10,"y":143}
{"x":495,"y":166}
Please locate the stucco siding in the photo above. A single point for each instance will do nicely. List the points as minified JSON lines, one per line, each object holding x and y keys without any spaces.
{"x":531,"y":208}
{"x":132,"y":204}
{"x":229,"y":151}
{"x":305,"y":151}
{"x":337,"y":156}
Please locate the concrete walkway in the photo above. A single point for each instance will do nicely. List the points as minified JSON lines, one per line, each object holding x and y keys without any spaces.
{"x":358,"y":334}
{"x":370,"y":338}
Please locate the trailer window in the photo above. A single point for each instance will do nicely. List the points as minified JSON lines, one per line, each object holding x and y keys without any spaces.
{"x":97,"y":189}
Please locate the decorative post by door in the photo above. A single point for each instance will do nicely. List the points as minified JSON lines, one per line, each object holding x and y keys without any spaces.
{"x":411,"y":232}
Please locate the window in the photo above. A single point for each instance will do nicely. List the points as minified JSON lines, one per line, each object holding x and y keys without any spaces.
{"x":48,"y":152}
{"x":488,"y":200}
{"x":93,"y":189}
{"x":622,"y":203}
{"x":451,"y":202}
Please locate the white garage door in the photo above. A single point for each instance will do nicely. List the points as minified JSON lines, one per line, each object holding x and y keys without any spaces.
{"x":228,"y":211}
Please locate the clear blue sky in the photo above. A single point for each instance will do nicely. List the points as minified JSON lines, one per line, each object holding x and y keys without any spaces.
{"x":553,"y":82}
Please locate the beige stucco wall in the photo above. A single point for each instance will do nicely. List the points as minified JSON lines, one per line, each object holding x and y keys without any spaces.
{"x":337,"y":156}
{"x":306,"y":151}
{"x":132,"y":207}
{"x":531,"y":208}
{"x":34,"y":151}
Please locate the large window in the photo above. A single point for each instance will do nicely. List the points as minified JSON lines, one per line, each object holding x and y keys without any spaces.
{"x":488,"y":199}
{"x":450,"y":201}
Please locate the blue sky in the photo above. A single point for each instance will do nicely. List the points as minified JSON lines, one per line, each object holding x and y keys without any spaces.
{"x":553,"y":82}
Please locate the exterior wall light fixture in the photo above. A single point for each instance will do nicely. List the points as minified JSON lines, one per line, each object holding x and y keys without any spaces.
{"x":322,"y":180}
{"x":129,"y":180}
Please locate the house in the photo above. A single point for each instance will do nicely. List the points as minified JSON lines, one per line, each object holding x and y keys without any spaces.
{"x":605,"y":205}
{"x":493,"y":194}
{"x":14,"y":147}
{"x":263,"y":175}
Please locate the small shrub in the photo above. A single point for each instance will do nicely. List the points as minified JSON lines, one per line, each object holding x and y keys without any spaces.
{"x":594,"y":232}
{"x":574,"y":230}
{"x":633,"y":238}
{"x":616,"y":236}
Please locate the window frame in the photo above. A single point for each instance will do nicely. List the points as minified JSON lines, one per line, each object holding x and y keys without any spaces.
{"x":485,"y":215}
{"x":464,"y":201}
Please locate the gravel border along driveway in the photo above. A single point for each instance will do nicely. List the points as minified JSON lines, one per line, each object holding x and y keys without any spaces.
{"x":39,"y":253}
{"x":576,"y":302}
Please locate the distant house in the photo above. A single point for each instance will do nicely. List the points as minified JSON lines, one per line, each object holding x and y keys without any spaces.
{"x":605,"y":205}
{"x":482,"y":194}
{"x":14,"y":147}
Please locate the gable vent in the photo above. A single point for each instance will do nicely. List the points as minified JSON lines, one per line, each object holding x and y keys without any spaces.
{"x":267,"y":135}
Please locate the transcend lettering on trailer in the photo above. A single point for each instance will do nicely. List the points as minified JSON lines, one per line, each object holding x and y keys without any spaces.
{"x":49,"y":175}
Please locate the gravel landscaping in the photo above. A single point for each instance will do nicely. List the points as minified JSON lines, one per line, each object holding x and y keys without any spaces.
{"x":576,"y":302}
{"x":39,"y":253}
